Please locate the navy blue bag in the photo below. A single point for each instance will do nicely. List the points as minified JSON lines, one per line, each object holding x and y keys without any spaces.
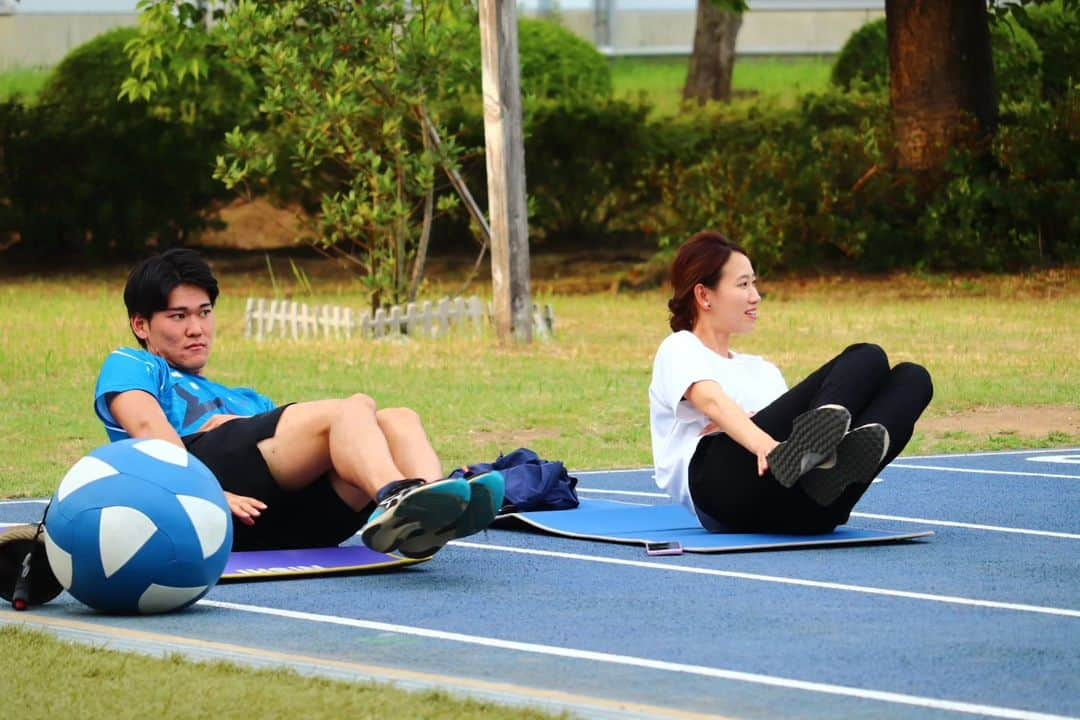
{"x":531,"y":483}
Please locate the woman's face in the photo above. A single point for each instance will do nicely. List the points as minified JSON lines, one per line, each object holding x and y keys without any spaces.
{"x":732,"y":306}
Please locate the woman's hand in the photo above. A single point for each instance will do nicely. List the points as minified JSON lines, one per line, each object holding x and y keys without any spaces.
{"x":710,"y":429}
{"x":762,"y":451}
{"x":245,"y":508}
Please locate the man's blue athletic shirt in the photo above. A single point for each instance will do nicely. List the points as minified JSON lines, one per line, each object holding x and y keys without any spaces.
{"x":187,"y":400}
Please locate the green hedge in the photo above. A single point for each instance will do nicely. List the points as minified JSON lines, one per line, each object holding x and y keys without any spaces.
{"x":864,"y":58}
{"x":555,"y":63}
{"x":1018,"y":61}
{"x":1056,"y":31}
{"x":804,"y":187}
{"x":815,"y":190}
{"x":88,"y":175}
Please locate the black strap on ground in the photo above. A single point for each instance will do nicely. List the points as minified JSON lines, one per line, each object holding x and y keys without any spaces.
{"x":26,"y":579}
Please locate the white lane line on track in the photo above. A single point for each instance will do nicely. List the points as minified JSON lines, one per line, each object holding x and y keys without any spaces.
{"x":632,"y":493}
{"x":648,"y":663}
{"x":22,"y":502}
{"x":970,"y":526}
{"x":972,"y":471}
{"x":874,"y":516}
{"x":902,"y":458}
{"x":820,"y":584}
{"x":1062,"y":459}
{"x":990,"y":453}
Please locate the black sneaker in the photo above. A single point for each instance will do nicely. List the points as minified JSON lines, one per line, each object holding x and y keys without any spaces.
{"x":417,"y":513}
{"x":486,"y":499}
{"x":814,"y":436}
{"x":858,"y":457}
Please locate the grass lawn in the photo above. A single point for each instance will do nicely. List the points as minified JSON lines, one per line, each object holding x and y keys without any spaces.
{"x":580,"y":398}
{"x":26,"y":82}
{"x":661,"y":80}
{"x":995,"y":342}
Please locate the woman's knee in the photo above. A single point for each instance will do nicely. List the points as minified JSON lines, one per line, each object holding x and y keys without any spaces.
{"x":916,"y":378}
{"x":870,"y":354}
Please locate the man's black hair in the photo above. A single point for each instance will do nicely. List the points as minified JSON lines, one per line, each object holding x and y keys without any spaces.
{"x":152,"y":280}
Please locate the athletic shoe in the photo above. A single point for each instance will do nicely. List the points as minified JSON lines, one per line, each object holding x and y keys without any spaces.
{"x":417,"y":513}
{"x":485,"y":502}
{"x":814,"y":436}
{"x":858,"y":457}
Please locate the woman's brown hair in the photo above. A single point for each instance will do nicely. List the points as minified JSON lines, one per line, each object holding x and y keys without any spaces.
{"x":700,"y":260}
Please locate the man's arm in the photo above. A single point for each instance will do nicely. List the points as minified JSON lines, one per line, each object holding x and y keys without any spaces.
{"x":140,"y":415}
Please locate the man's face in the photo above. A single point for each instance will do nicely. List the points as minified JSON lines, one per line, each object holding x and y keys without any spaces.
{"x":183,"y":332}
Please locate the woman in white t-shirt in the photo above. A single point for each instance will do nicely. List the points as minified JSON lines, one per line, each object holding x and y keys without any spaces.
{"x":730,"y":440}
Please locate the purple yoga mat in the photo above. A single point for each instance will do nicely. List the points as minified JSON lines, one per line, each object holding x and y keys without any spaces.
{"x":260,"y":564}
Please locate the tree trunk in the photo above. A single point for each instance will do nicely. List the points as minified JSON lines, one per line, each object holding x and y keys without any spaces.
{"x":941,"y":78}
{"x":713,"y":59}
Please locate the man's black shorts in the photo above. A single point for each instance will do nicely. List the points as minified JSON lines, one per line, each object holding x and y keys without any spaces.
{"x":315,"y":516}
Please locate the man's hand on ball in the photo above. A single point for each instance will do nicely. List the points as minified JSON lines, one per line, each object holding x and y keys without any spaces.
{"x":245,"y":508}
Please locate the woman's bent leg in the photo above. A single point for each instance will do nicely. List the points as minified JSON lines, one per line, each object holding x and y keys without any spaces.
{"x":897,"y":406}
{"x":723,"y":475}
{"x":725,"y":486}
{"x":851,"y":379}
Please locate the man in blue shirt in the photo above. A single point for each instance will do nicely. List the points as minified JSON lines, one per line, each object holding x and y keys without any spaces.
{"x":298,"y":475}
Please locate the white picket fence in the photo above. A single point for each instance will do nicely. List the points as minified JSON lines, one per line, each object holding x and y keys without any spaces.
{"x":286,"y":319}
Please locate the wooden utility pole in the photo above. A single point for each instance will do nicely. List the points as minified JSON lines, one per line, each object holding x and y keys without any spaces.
{"x":505,"y":145}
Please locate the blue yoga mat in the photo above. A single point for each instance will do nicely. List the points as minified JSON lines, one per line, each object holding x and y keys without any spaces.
{"x":617,"y":522}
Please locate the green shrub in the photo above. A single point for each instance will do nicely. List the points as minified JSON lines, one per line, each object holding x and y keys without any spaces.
{"x":810,"y":187}
{"x":780,"y":181}
{"x":86,"y":82}
{"x":87,"y":174}
{"x":864,"y":59}
{"x":587,"y":162}
{"x":1056,"y":30}
{"x":555,"y":63}
{"x":586,"y":167}
{"x":1017,"y":207}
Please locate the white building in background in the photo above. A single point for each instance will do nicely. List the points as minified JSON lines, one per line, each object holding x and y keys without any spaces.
{"x":36,"y":33}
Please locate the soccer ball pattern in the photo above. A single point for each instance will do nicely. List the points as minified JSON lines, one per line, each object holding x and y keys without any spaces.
{"x":138,"y":526}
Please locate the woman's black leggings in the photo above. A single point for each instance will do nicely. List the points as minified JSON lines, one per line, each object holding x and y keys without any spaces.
{"x":723,"y":475}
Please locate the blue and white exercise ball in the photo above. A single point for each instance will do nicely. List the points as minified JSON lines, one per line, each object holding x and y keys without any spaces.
{"x":138,"y":526}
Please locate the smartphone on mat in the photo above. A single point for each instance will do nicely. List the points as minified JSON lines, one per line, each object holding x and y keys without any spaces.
{"x":663,"y":548}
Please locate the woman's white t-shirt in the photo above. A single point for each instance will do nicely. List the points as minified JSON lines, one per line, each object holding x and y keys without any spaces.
{"x":682,"y":360}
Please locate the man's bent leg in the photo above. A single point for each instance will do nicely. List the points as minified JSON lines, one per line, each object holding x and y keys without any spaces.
{"x":342,"y":436}
{"x":409,"y":445}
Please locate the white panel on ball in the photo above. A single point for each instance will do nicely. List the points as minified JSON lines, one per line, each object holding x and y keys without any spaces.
{"x":122,"y":533}
{"x":159,"y":598}
{"x":59,"y":561}
{"x":82,"y":473}
{"x":209,"y":521}
{"x":163,"y":451}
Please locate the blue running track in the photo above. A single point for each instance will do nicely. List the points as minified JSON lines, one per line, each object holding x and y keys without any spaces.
{"x":982,"y":618}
